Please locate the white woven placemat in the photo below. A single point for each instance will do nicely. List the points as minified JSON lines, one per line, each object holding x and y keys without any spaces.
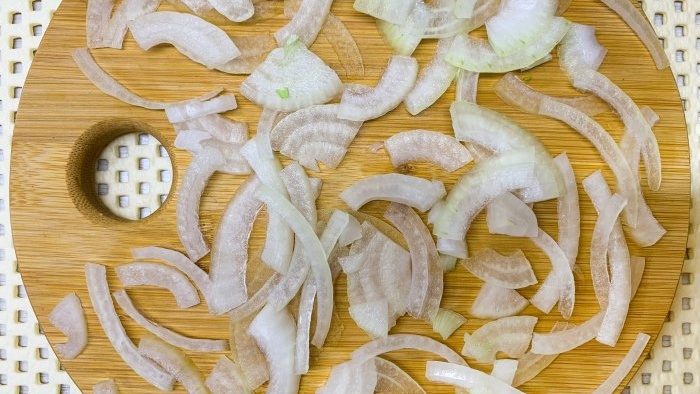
{"x":28,"y":365}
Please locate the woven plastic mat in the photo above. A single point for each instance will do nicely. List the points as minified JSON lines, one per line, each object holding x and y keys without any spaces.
{"x":27,"y":363}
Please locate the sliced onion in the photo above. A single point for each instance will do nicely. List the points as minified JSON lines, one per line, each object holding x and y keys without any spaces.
{"x":275,"y":334}
{"x":68,"y":317}
{"x":625,"y":366}
{"x":568,"y":212}
{"x":563,"y":341}
{"x":306,"y":305}
{"x":197,"y":6}
{"x":464,"y":9}
{"x":531,"y":364}
{"x":562,"y":277}
{"x":519,"y":24}
{"x":218,"y":127}
{"x":295,"y":134}
{"x":175,"y":361}
{"x":345,"y":46}
{"x":292,"y":77}
{"x":154,"y":274}
{"x":495,"y":302}
{"x":361,"y":103}
{"x":448,"y":263}
{"x":248,"y":355}
{"x":306,"y":23}
{"x":105,"y":32}
{"x":107,"y":386}
{"x":254,"y":50}
{"x":96,"y":277}
{"x":405,"y":189}
{"x":351,"y":233}
{"x":234,"y":10}
{"x":394,"y":11}
{"x":509,"y":215}
{"x":405,"y":341}
{"x":580,"y":49}
{"x":404,"y":38}
{"x":372,"y":317}
{"x":350,"y":378}
{"x":510,"y":335}
{"x":641,"y":26}
{"x":475,"y":54}
{"x":194,"y":37}
{"x":184,"y":112}
{"x":504,"y":370}
{"x":445,"y":23}
{"x":432,"y":83}
{"x":563,"y":6}
{"x":227,"y":377}
{"x":511,"y":271}
{"x":467,"y":83}
{"x":426,"y":274}
{"x":466,"y":377}
{"x":393,"y":380}
{"x":446,"y":322}
{"x":257,"y":301}
{"x":424,"y":145}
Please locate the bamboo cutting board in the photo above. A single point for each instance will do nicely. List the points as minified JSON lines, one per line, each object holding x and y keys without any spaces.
{"x":54,"y":236}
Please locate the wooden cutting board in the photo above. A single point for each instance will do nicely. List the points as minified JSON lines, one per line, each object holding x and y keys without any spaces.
{"x":54,"y":238}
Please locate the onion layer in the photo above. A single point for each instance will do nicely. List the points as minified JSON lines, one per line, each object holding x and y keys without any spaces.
{"x":68,"y":316}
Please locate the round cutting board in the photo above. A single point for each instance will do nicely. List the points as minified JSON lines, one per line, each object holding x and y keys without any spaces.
{"x":54,"y":237}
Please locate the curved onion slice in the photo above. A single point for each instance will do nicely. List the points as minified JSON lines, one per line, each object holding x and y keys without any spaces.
{"x":96,"y":278}
{"x":433,"y":82}
{"x":568,"y":212}
{"x":229,"y":257}
{"x":105,"y":32}
{"x":598,"y":84}
{"x":351,"y":378}
{"x":275,"y":334}
{"x":292,"y":77}
{"x":509,"y":215}
{"x":197,"y":6}
{"x":234,"y":10}
{"x":178,"y":113}
{"x":510,"y":335}
{"x":318,"y":124}
{"x":108,"y":386}
{"x":361,"y":103}
{"x":444,"y":23}
{"x":227,"y":377}
{"x":175,"y":361}
{"x":531,"y":364}
{"x":393,"y":380}
{"x":504,"y":370}
{"x":306,"y":23}
{"x":257,"y":301}
{"x":475,"y":54}
{"x":424,"y":145}
{"x":409,"y":190}
{"x":467,"y":83}
{"x":194,"y":37}
{"x":254,"y":50}
{"x":426,"y":274}
{"x":154,"y":274}
{"x":372,"y":317}
{"x":495,"y":302}
{"x":562,"y":279}
{"x":169,"y":336}
{"x":625,"y":366}
{"x":218,"y":127}
{"x":600,"y":240}
{"x":69,"y":318}
{"x":247,"y":353}
{"x":306,"y":306}
{"x":179,"y":261}
{"x":344,"y":46}
{"x":467,"y":378}
{"x":519,"y":24}
{"x":641,"y":26}
{"x":404,"y":38}
{"x":394,"y":11}
{"x":517,"y":93}
{"x":511,"y":271}
{"x":580,"y":49}
{"x":563,"y":341}
{"x":446,"y":322}
{"x":405,"y":341}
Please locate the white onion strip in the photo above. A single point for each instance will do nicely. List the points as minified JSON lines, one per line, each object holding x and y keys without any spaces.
{"x":424,"y":145}
{"x":226,"y":377}
{"x":68,"y":317}
{"x":409,"y":190}
{"x":306,"y":22}
{"x":234,"y":10}
{"x":105,"y":32}
{"x":183,"y":112}
{"x":306,"y":305}
{"x":96,"y":278}
{"x":257,"y":301}
{"x":344,"y":46}
{"x":167,"y":335}
{"x":495,"y":302}
{"x":531,"y":364}
{"x":511,"y":271}
{"x":248,"y":355}
{"x":405,"y":341}
{"x":509,"y":215}
{"x":432,"y":83}
{"x":107,"y":386}
{"x":510,"y":335}
{"x":154,"y":274}
{"x":561,"y":274}
{"x":467,"y":84}
{"x":175,"y":361}
{"x":625,"y":366}
{"x":568,"y":211}
{"x":254,"y":50}
{"x":467,"y":378}
{"x":179,"y":261}
{"x":393,"y":380}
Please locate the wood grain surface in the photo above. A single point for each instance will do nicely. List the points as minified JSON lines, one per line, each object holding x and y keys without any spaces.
{"x":54,"y":239}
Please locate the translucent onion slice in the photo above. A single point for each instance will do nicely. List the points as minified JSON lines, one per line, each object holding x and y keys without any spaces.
{"x":409,"y":190}
{"x":510,"y":335}
{"x":372,"y":317}
{"x":466,"y":377}
{"x":515,"y":92}
{"x":563,"y":6}
{"x":641,"y":26}
{"x":306,"y":306}
{"x":433,"y":82}
{"x":467,"y":83}
{"x":199,"y":7}
{"x":446,"y":322}
{"x":404,"y":38}
{"x":581,"y":49}
{"x":504,"y":370}
{"x":291,"y":77}
{"x":345,"y":46}
{"x":531,"y":364}
{"x":175,"y":362}
{"x":424,"y":145}
{"x":511,"y":271}
{"x":107,"y":386}
{"x":445,"y":23}
{"x":477,"y":55}
{"x":318,"y":124}
{"x":351,"y":377}
{"x":306,"y":22}
{"x":188,"y":111}
{"x":234,"y":10}
{"x":68,"y":317}
{"x":568,"y":212}
{"x":257,"y":301}
{"x":393,"y":380}
{"x":194,"y":37}
{"x":167,"y":335}
{"x":105,"y":32}
{"x":448,"y":263}
{"x":218,"y":127}
{"x":254,"y":50}
{"x":394,"y":11}
{"x":519,"y":24}
{"x":96,"y":278}
{"x":275,"y":333}
{"x":361,"y":103}
{"x":562,"y":279}
{"x":495,"y":302}
{"x":405,"y":341}
{"x":351,"y":233}
{"x":598,"y":84}
{"x":248,"y":355}
{"x":226,"y":377}
{"x":464,"y":8}
{"x":625,"y":366}
{"x":154,"y":274}
{"x":426,"y":274}
{"x":509,"y":215}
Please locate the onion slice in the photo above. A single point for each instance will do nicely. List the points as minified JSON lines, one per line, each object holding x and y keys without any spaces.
{"x":424,"y":145}
{"x":107,"y":386}
{"x":467,"y":84}
{"x":257,"y":301}
{"x":562,"y":279}
{"x":234,"y":10}
{"x":510,"y":335}
{"x":568,"y":212}
{"x":394,"y":11}
{"x":495,"y":302}
{"x":531,"y":364}
{"x":511,"y":271}
{"x":68,"y":317}
{"x":432,"y":83}
{"x":306,"y":305}
{"x":96,"y":278}
{"x":519,"y":24}
{"x":509,"y":215}
{"x":154,"y":274}
{"x":409,"y":190}
{"x":361,"y":103}
{"x":175,"y":361}
{"x":254,"y":50}
{"x":404,"y":38}
{"x":446,"y":322}
{"x":105,"y":32}
{"x":247,"y":353}
{"x":345,"y":46}
{"x":178,"y":113}
{"x":306,"y":23}
{"x":580,"y":49}
{"x":393,"y":380}
{"x":625,"y":366}
{"x":350,"y":378}
{"x":405,"y":341}
{"x":466,"y":377}
{"x":504,"y":370}
{"x":226,"y":377}
{"x":194,"y":37}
